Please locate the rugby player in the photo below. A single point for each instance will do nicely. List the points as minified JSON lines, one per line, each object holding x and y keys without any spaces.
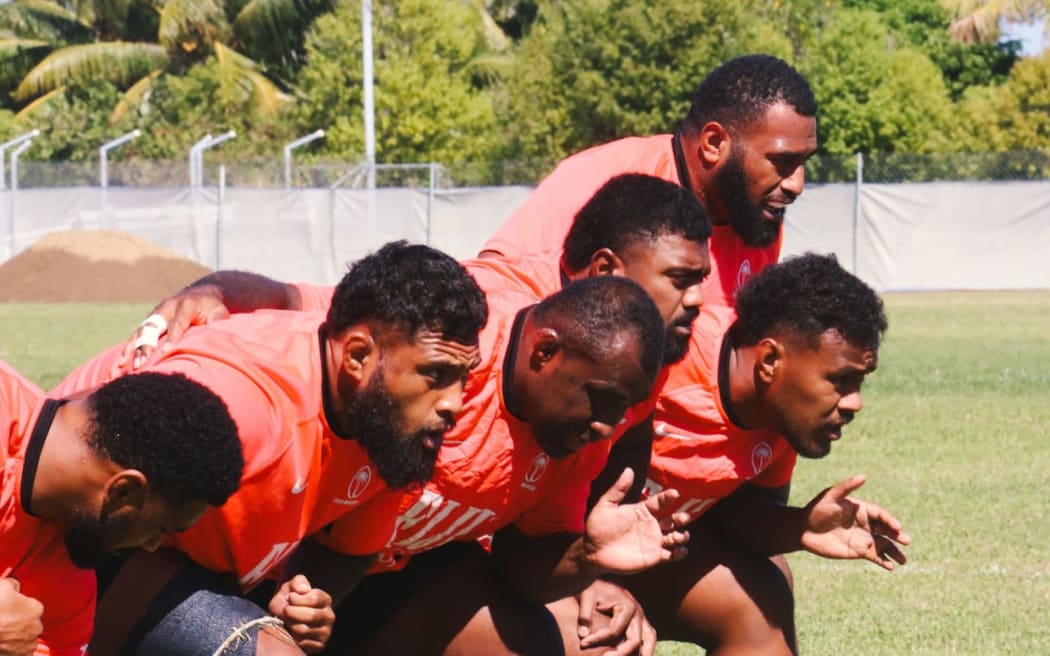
{"x":338,"y":412}
{"x":137,"y":459}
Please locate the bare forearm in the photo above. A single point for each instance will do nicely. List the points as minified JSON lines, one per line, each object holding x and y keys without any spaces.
{"x":541,"y":570}
{"x":335,"y":573}
{"x":242,"y":291}
{"x":758,"y":524}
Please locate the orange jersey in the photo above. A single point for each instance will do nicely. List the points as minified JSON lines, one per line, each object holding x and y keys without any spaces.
{"x":541,"y":223}
{"x":32,"y":549}
{"x":299,"y":476}
{"x":697,"y":449}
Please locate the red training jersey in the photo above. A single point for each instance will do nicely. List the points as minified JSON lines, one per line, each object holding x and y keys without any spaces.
{"x":697,"y":449}
{"x":542,"y":222}
{"x":300,"y":476}
{"x":32,"y":549}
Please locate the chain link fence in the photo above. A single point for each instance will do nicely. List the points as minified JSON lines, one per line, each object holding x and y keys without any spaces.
{"x":937,"y":167}
{"x":270,"y":173}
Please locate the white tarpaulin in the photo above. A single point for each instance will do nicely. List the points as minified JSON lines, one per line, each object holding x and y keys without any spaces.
{"x":944,"y":235}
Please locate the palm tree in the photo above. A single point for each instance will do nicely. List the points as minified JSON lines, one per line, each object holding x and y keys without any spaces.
{"x":257,"y":43}
{"x":980,"y":20}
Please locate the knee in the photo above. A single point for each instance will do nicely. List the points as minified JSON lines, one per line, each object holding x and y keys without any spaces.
{"x":521,"y":629}
{"x":743,"y":608}
{"x":275,"y":641}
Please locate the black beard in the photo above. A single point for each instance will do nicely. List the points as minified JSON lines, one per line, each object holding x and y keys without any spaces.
{"x":744,"y":217}
{"x":675,"y":345}
{"x":374,"y":419}
{"x":85,"y":539}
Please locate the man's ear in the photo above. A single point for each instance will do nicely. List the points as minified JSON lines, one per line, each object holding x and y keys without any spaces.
{"x":125,"y":489}
{"x":545,"y":345}
{"x":770,"y":356}
{"x":604,"y":262}
{"x":359,"y":347}
{"x":714,"y":144}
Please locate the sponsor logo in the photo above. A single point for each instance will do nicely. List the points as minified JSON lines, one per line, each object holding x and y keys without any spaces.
{"x":358,"y":484}
{"x":760,"y":457}
{"x":742,"y":274}
{"x":537,"y":468}
{"x":661,"y":431}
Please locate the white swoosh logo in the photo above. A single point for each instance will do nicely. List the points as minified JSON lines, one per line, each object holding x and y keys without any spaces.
{"x":299,"y":486}
{"x":661,"y":431}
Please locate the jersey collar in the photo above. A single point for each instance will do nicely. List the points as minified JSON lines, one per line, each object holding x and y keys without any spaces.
{"x":509,"y":358}
{"x":680,"y":165}
{"x":36,"y":445}
{"x":724,"y":394}
{"x":328,"y":406}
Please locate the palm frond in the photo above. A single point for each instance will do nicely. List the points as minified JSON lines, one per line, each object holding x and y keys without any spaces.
{"x":40,"y":102}
{"x":13,"y":45}
{"x":241,"y":82}
{"x":192,"y":25}
{"x":981,"y":20}
{"x":117,"y":61}
{"x":134,"y":96}
{"x":491,"y":33}
{"x":490,"y":66}
{"x":271,"y":30}
{"x":40,"y":19}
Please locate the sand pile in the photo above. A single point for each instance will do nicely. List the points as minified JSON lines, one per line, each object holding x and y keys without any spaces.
{"x":95,"y":266}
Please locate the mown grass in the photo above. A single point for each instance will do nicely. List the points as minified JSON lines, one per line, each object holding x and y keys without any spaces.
{"x":954,"y":440}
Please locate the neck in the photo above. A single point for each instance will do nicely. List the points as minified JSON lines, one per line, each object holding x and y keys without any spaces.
{"x":332,"y":353}
{"x":701,"y":176}
{"x":743,"y":390}
{"x":69,"y":472}
{"x":516,"y":366}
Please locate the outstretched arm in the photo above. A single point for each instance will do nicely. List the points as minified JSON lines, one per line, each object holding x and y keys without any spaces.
{"x":832,"y":524}
{"x":215,"y":296}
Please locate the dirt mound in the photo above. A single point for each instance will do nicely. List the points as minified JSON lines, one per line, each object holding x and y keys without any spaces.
{"x":95,"y":266}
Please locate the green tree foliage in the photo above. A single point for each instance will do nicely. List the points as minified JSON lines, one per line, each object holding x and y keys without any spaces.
{"x":591,"y":71}
{"x":519,"y":82}
{"x":875,"y":92}
{"x":127,"y":41}
{"x":924,"y":25}
{"x":1013,"y":116}
{"x":431,"y":101}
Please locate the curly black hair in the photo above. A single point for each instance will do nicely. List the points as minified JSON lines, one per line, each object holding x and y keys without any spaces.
{"x":738,"y":93}
{"x":804,"y":297}
{"x":630,"y":208}
{"x":591,"y":313}
{"x":174,"y":430}
{"x":410,"y":287}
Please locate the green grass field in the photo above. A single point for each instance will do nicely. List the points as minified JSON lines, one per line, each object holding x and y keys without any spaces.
{"x":953,"y":438}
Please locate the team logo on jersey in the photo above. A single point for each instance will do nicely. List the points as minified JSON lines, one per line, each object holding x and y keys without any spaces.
{"x":359,"y":483}
{"x":760,"y":457}
{"x":743,"y":274}
{"x":537,"y":468}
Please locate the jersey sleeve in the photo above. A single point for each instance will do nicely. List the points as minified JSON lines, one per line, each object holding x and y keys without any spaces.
{"x":365,"y":530}
{"x":314,"y":297}
{"x":253,"y":409}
